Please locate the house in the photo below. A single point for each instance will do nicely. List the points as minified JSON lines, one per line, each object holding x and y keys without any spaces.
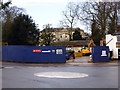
{"x":113,"y":41}
{"x":62,"y":34}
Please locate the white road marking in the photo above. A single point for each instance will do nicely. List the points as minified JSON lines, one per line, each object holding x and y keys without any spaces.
{"x":34,"y":67}
{"x":61,"y":75}
{"x":8,"y":67}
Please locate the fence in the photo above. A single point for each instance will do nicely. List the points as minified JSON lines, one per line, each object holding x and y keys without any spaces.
{"x":35,"y":54}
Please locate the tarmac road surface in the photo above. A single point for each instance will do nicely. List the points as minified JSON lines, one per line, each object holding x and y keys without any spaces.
{"x":15,"y":75}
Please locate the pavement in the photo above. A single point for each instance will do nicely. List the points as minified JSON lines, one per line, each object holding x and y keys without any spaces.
{"x":78,"y":61}
{"x":85,"y":61}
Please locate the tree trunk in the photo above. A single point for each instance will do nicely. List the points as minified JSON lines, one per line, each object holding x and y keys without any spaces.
{"x":71,"y":32}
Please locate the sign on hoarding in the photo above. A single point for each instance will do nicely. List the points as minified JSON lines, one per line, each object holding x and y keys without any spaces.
{"x":36,"y":50}
{"x":46,"y":51}
{"x":104,"y":53}
{"x":59,"y":51}
{"x":43,"y":51}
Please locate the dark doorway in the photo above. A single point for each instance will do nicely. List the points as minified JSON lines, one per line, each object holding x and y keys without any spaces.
{"x":119,"y":54}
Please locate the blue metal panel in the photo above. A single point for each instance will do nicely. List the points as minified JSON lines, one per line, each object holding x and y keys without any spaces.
{"x":100,"y":54}
{"x":42,"y":54}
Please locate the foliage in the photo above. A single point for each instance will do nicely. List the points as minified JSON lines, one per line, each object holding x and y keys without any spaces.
{"x":8,"y":15}
{"x":3,"y":6}
{"x":23,"y":31}
{"x":96,"y":34}
{"x":46,"y":35}
{"x":113,"y":20}
{"x":77,"y":35}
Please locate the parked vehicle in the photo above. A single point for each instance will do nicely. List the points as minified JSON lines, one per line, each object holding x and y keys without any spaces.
{"x":67,"y":55}
{"x":72,"y":53}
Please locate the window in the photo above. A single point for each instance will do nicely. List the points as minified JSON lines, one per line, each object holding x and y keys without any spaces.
{"x":118,"y":38}
{"x":60,"y":36}
{"x":65,"y":36}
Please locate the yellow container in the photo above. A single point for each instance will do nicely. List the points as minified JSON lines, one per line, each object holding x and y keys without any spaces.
{"x":78,"y":54}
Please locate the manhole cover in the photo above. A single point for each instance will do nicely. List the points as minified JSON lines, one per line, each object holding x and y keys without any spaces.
{"x":61,"y":75}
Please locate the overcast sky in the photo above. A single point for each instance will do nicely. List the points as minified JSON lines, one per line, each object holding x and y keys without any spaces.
{"x":42,"y":11}
{"x":45,"y":11}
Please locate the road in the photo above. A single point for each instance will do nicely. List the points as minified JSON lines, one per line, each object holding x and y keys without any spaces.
{"x":72,"y":75}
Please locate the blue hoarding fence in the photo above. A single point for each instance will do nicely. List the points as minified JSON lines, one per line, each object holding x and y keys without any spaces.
{"x":100,"y":53}
{"x":35,"y":54}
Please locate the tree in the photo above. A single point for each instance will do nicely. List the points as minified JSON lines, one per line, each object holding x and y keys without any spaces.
{"x":4,"y":5}
{"x":77,"y":35}
{"x":96,"y":34}
{"x":69,"y":18}
{"x":46,"y":35}
{"x":113,"y":19}
{"x":23,"y":31}
{"x":101,"y":11}
{"x":8,"y":15}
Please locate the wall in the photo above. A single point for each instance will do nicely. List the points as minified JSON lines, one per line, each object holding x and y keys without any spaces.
{"x":40,"y":54}
{"x":112,"y":45}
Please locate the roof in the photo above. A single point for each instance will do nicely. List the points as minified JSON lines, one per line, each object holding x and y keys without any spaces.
{"x":116,"y":33}
{"x":63,"y":29}
{"x":71,"y":43}
{"x":74,"y":29}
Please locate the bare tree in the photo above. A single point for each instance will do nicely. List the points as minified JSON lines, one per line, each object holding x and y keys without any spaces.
{"x":69,"y":18}
{"x":46,"y":35}
{"x":10,"y":13}
{"x":101,"y":11}
{"x":112,"y":22}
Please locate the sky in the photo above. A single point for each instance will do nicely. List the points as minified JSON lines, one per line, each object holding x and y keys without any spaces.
{"x":42,"y":11}
{"x":45,"y":11}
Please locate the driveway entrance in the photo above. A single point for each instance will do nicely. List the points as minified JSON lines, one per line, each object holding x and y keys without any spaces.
{"x":83,"y":59}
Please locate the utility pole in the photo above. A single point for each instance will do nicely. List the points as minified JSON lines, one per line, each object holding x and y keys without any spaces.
{"x":118,"y":21}
{"x":1,"y":2}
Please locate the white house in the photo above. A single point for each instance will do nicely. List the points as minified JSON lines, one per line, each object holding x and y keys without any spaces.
{"x":113,"y":41}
